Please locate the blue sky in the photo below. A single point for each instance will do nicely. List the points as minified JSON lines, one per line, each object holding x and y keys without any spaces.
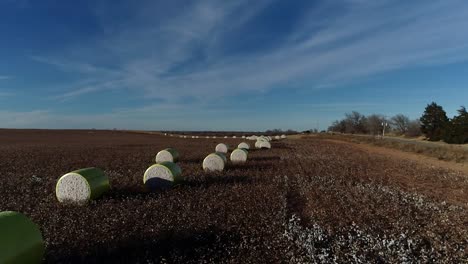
{"x":227,"y":65}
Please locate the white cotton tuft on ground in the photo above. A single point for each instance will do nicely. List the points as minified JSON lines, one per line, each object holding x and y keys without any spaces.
{"x":214,"y":162}
{"x":239,"y":155}
{"x":168,"y":154}
{"x":243,"y":145}
{"x":162,"y":176}
{"x":221,"y":147}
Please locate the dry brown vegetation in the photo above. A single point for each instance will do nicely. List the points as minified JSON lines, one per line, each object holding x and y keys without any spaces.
{"x":304,"y":200}
{"x":439,"y":150}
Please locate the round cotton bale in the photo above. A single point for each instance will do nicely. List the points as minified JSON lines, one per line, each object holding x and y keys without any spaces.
{"x":265,"y":145}
{"x":20,"y":239}
{"x":261,"y":139}
{"x":222,"y":148}
{"x":243,"y":136}
{"x":283,"y":136}
{"x":214,"y":162}
{"x":81,"y":185}
{"x":234,"y":137}
{"x":214,"y":136}
{"x":225,"y":136}
{"x":162,"y":176}
{"x":168,"y":154}
{"x":239,"y":155}
{"x":257,"y":144}
{"x":253,"y":137}
{"x":243,"y":145}
{"x":277,"y":137}
{"x":207,"y":137}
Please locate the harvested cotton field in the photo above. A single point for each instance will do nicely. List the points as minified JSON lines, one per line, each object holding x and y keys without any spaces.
{"x":302,"y":201}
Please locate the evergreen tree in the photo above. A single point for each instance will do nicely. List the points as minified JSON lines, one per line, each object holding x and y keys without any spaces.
{"x":433,"y":122}
{"x":457,"y":129}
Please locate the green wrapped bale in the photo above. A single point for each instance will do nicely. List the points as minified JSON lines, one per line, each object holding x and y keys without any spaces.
{"x":168,"y":154}
{"x":243,"y":145}
{"x":214,"y":162}
{"x":222,"y":148}
{"x":20,"y":239}
{"x":82,"y":185}
{"x":162,"y":176}
{"x":239,"y":155}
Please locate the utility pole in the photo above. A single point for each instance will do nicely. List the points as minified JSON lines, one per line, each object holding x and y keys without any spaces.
{"x":384,"y":124}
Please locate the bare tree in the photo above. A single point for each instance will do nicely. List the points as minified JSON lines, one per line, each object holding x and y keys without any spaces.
{"x":413,"y":129}
{"x":355,"y":122}
{"x":400,"y":123}
{"x":374,"y":124}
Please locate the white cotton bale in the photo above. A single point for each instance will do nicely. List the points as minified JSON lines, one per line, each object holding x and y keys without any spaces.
{"x":234,"y":137}
{"x":265,"y":145}
{"x":214,"y":162}
{"x":214,"y":136}
{"x":239,"y":156}
{"x":81,"y":185}
{"x":168,"y":154}
{"x":243,"y":136}
{"x":20,"y":239}
{"x":225,"y":136}
{"x":277,"y":137}
{"x":207,"y":137}
{"x":243,"y":145}
{"x":222,"y":148}
{"x":162,"y":176}
{"x":257,"y":144}
{"x":283,"y":136}
{"x":261,"y":139}
{"x":253,"y":137}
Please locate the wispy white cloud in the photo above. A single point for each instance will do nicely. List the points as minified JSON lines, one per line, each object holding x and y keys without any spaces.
{"x":4,"y":77}
{"x":182,"y":55}
{"x":5,"y":94}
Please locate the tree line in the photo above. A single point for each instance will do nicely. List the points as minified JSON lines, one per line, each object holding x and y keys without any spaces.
{"x":434,"y":124}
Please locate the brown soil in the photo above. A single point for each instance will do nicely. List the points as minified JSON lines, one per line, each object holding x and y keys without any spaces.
{"x":242,"y":215}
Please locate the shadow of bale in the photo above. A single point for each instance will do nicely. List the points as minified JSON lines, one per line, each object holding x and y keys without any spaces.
{"x":210,"y":180}
{"x":126,"y":193}
{"x":168,"y":246}
{"x":273,"y":158}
